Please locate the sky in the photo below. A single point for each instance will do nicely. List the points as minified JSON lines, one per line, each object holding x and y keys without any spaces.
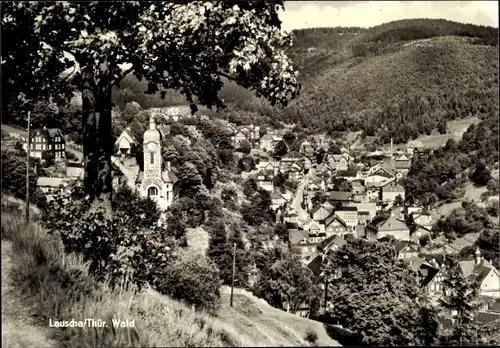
{"x":314,"y":14}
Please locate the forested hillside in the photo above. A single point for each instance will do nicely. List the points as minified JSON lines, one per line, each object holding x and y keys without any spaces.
{"x":400,"y":79}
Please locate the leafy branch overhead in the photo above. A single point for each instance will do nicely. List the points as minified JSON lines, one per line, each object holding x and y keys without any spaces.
{"x":189,"y":47}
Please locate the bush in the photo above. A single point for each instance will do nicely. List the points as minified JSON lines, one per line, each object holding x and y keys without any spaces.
{"x":61,"y":287}
{"x":311,"y":336}
{"x":193,"y":279}
{"x":130,"y":246}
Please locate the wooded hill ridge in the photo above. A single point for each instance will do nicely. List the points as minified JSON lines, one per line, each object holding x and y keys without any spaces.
{"x":400,"y":79}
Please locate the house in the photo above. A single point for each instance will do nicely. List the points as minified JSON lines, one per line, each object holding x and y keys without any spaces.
{"x":321,"y":213}
{"x":239,"y":138}
{"x":265,"y":181}
{"x":333,"y":242}
{"x":334,"y":225}
{"x":373,"y":193}
{"x":389,"y":227}
{"x":339,"y":162}
{"x":75,"y":170}
{"x":402,"y":165}
{"x":369,"y":209}
{"x":52,"y":186}
{"x":266,"y":143}
{"x":290,"y":216}
{"x":349,"y":215}
{"x":296,"y":171}
{"x":48,"y":142}
{"x":289,"y":159}
{"x":307,"y":148}
{"x":154,"y":182}
{"x":412,"y":145}
{"x":483,"y":272}
{"x":392,"y":189}
{"x":337,"y":197}
{"x":125,"y":143}
{"x":424,"y":219}
{"x":277,"y":200}
{"x":349,"y":174}
{"x":315,"y":229}
{"x":406,"y":249}
{"x":378,"y":175}
{"x":301,"y":245}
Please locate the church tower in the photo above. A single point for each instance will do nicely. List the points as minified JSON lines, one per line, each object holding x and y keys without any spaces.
{"x":155,"y":183}
{"x":152,"y":151}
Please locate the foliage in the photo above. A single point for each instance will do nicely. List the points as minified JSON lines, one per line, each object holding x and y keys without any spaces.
{"x":258,"y":212}
{"x":14,"y":177}
{"x":220,"y":250}
{"x":228,"y":194}
{"x":250,"y":187}
{"x":194,"y":279}
{"x":246,"y":163}
{"x":311,"y":336}
{"x":481,"y":175}
{"x":245,"y":147}
{"x":468,"y":219}
{"x":489,"y":245}
{"x":58,"y":285}
{"x":280,"y":149}
{"x":137,"y":34}
{"x":433,"y":178}
{"x":377,"y":295}
{"x":131,"y":246}
{"x":283,"y":278}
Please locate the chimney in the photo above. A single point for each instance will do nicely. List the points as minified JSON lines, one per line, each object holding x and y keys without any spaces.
{"x":128,"y":128}
{"x":168,"y":165}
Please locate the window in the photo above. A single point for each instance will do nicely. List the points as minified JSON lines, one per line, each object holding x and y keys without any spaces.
{"x":152,"y":158}
{"x":152,"y":191}
{"x":62,"y":146}
{"x":50,"y":147}
{"x":43,"y":147}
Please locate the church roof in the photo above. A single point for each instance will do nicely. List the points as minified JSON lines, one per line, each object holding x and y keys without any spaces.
{"x":166,"y":176}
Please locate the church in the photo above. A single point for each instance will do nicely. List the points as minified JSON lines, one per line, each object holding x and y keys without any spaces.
{"x":154,"y":182}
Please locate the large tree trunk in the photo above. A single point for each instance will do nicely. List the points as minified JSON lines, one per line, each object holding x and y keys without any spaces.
{"x":97,"y":144}
{"x":89,"y":123}
{"x":104,"y":178}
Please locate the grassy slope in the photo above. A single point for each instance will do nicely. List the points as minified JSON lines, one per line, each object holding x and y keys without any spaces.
{"x":253,"y":318}
{"x":58,"y":286}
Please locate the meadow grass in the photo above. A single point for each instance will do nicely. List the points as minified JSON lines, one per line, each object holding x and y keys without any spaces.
{"x":59,"y":287}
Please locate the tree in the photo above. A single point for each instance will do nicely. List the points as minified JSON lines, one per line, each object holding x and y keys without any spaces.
{"x":130,"y":111}
{"x":284,"y":279}
{"x":250,"y":187}
{"x":481,"y":175}
{"x":461,"y":295}
{"x":193,"y":279}
{"x":280,"y":149}
{"x":320,"y":155}
{"x":245,"y":147}
{"x":289,"y":138}
{"x":176,"y":229}
{"x":188,"y":47}
{"x":381,"y":303}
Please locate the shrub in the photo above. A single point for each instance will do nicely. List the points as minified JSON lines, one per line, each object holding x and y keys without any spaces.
{"x":130,"y":246}
{"x":311,"y":336}
{"x":61,"y":287}
{"x":71,"y":156}
{"x":194,"y":279}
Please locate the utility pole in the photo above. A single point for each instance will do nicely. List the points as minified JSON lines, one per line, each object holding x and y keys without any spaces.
{"x":28,"y":171}
{"x":234,"y":269}
{"x":326,"y":293}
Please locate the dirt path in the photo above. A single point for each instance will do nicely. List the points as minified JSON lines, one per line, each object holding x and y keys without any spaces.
{"x":18,"y":329}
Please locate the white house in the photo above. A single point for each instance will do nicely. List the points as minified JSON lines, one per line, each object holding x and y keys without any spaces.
{"x":125,"y":142}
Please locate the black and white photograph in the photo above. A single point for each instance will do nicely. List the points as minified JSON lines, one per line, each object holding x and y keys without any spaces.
{"x":249,"y":173}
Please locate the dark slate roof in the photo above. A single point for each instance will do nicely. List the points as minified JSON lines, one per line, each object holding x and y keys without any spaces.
{"x":494,"y":307}
{"x":347,"y":209}
{"x":347,"y":173}
{"x":49,"y":133}
{"x":340,"y":196}
{"x":316,"y":265}
{"x":332,"y":240}
{"x":488,"y":317}
{"x":293,"y":155}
